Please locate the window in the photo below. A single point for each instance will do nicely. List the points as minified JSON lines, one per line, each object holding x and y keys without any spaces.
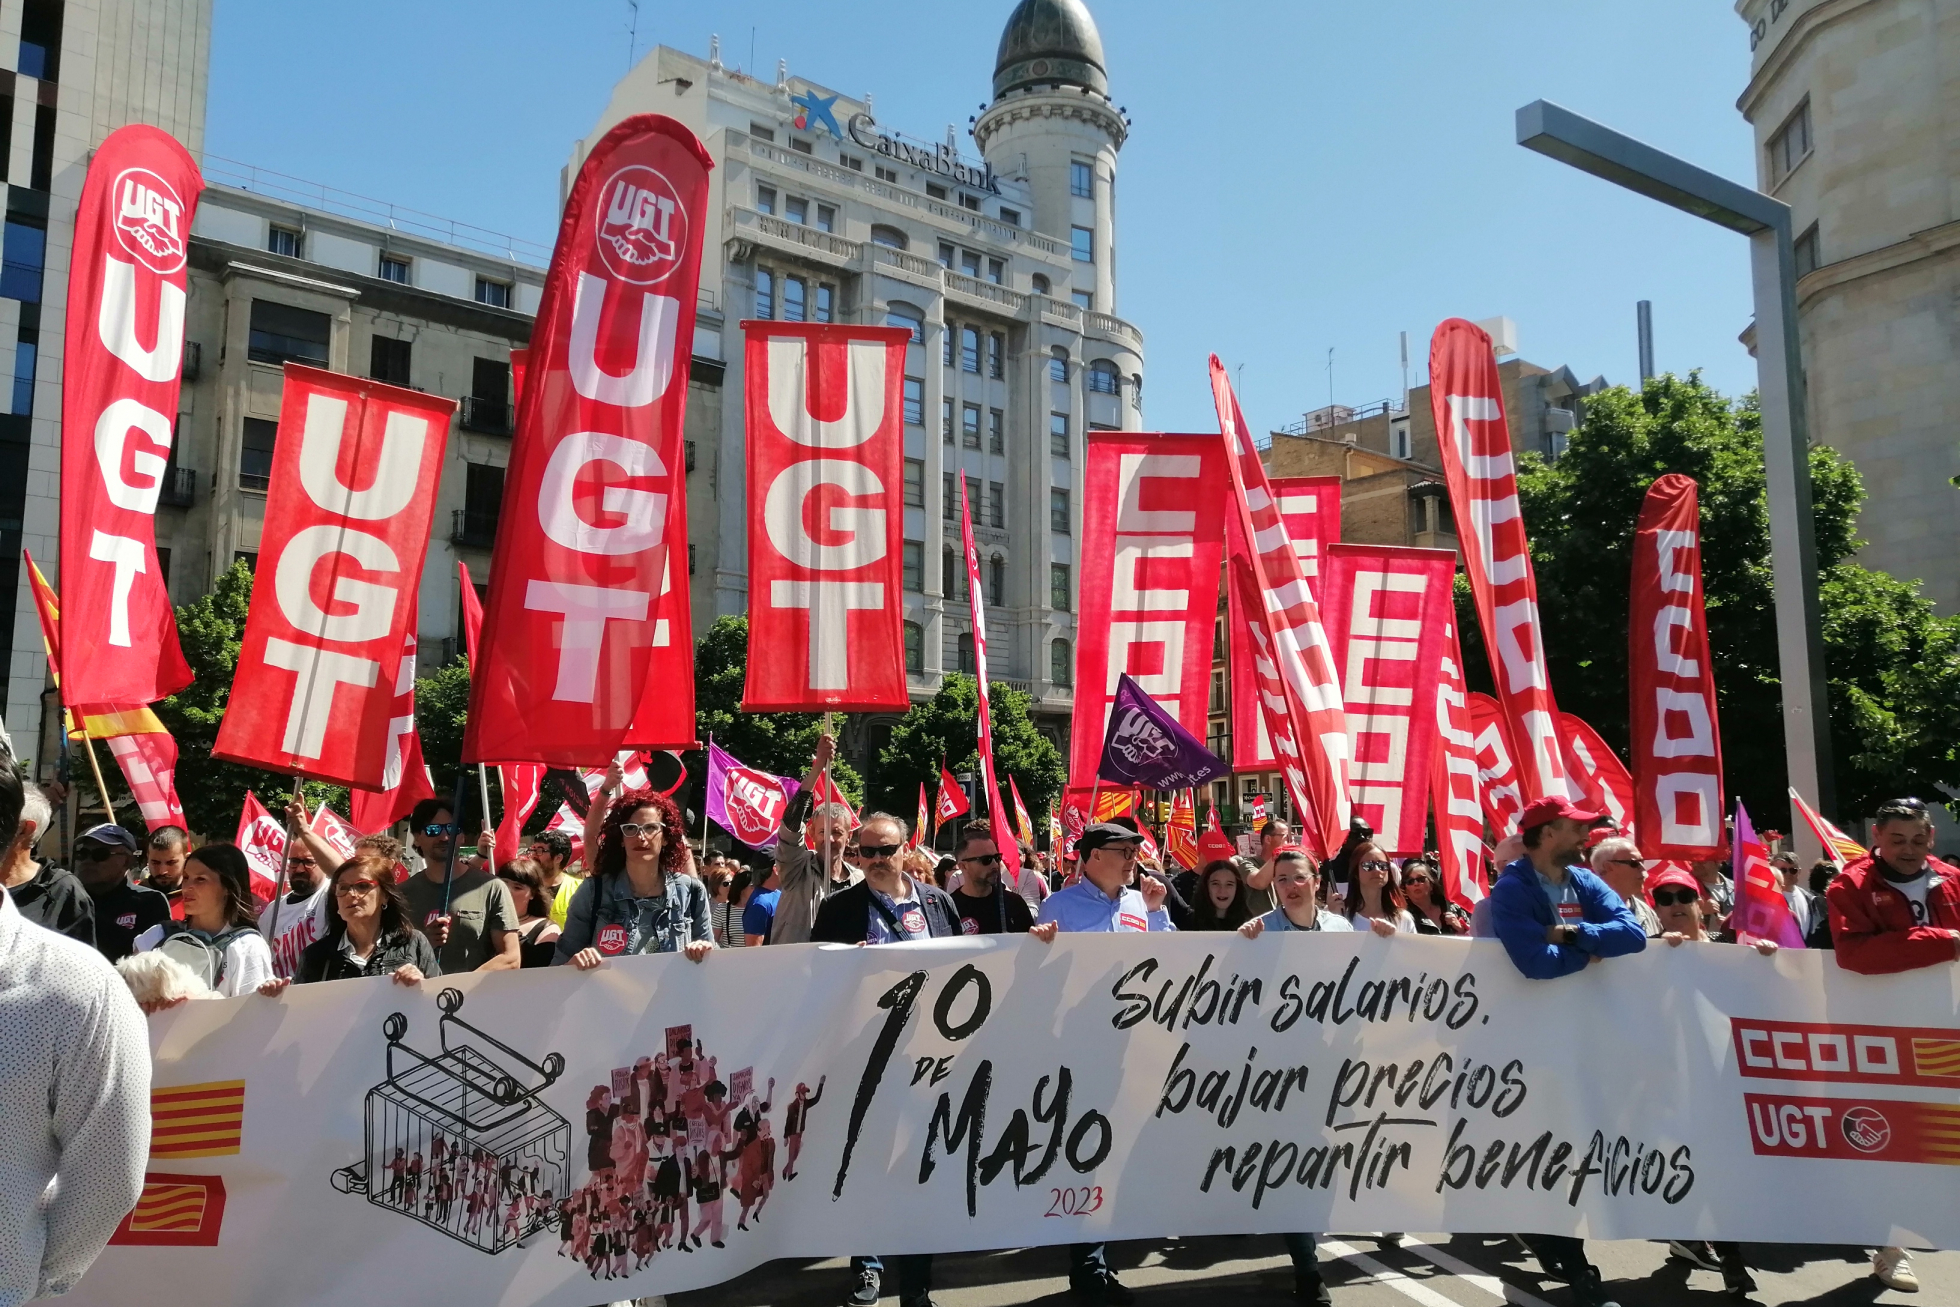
{"x":902,"y":315}
{"x":1136,"y":390}
{"x":1058,"y":435}
{"x":1082,"y":178}
{"x":1806,"y":251}
{"x":826,"y":218}
{"x":915,"y":647}
{"x":388,"y":360}
{"x":935,"y":190}
{"x":913,"y":553}
{"x":969,"y":263}
{"x":483,"y":495}
{"x":1012,"y":217}
{"x":793,"y":301}
{"x":946,"y":253}
{"x":40,"y":41}
{"x":488,"y":405}
{"x":1217,"y":692}
{"x":23,"y":256}
{"x":1061,"y":595}
{"x":997,"y":580}
{"x":282,"y":240}
{"x":765,"y":199}
{"x":915,"y":401}
{"x":969,"y":349}
{"x":762,"y":133}
{"x":1102,"y":377}
{"x":889,"y":237}
{"x":255,"y":456}
{"x":1082,"y":244}
{"x":40,"y":164}
{"x":852,"y":162}
{"x":24,"y":354}
{"x":395,"y":269}
{"x":1084,"y":300}
{"x":996,"y":355}
{"x":1061,"y":663}
{"x":946,"y":420}
{"x":996,"y":505}
{"x":1040,"y":283}
{"x":1058,"y":365}
{"x":970,"y":426}
{"x":800,"y":145}
{"x":997,"y":271}
{"x":765,"y":294}
{"x":1398,"y":439}
{"x":493,"y":292}
{"x":282,"y":333}
{"x":948,"y":498}
{"x":968,"y":663}
{"x":969,"y":201}
{"x":949,"y":573}
{"x":797,"y":209}
{"x":1790,"y":145}
{"x":915,"y":483}
{"x":1058,"y":510}
{"x":163,"y":566}
{"x":823,"y":312}
{"x":996,"y":431}
{"x":885,"y":174}
{"x":250,"y":559}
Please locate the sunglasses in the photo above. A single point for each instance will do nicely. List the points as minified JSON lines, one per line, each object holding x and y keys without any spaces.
{"x":1376,"y":866}
{"x":879,"y":850}
{"x":983,"y":859}
{"x":1670,"y":898}
{"x":1628,"y":862}
{"x":435,"y":830}
{"x":355,"y":888}
{"x":99,"y":853}
{"x":1415,"y":880}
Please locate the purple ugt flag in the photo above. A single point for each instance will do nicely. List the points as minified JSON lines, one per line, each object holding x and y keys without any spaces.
{"x":1145,"y":745}
{"x":746,"y":803}
{"x":1760,"y":908}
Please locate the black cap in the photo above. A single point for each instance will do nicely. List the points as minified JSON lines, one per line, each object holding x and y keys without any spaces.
{"x":112,"y":835}
{"x":1103,"y":834}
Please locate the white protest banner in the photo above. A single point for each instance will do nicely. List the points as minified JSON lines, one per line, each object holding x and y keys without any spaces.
{"x":486,"y":1138}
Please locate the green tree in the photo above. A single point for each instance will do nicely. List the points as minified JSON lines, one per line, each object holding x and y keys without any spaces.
{"x":1895,"y":695}
{"x":947,"y":726}
{"x":779,"y":742}
{"x":442,"y":710}
{"x":211,"y":789}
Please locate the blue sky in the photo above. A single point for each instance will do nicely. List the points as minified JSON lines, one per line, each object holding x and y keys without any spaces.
{"x":1302,"y":176}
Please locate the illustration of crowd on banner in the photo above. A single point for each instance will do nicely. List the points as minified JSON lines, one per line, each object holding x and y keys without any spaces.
{"x":1409,"y":796}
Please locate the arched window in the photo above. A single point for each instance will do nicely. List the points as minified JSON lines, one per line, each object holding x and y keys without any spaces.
{"x":997,"y":580}
{"x":889,"y":237}
{"x":968,"y":663}
{"x":915,"y":648}
{"x":1040,"y":284}
{"x":1058,"y":365}
{"x":1102,"y":377}
{"x":950,"y":573}
{"x":899,"y":314}
{"x":1061,"y":665}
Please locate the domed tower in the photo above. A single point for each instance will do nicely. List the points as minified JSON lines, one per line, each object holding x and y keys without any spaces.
{"x":1052,"y":124}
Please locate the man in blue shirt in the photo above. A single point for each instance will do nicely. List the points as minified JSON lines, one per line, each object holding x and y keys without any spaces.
{"x":760,"y":913}
{"x":1555,"y":918}
{"x":1103,"y":902}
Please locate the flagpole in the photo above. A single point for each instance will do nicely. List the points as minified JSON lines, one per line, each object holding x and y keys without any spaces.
{"x":483,"y":789}
{"x":101,"y":786}
{"x":285,"y":866}
{"x":823,"y":816}
{"x":708,"y":765}
{"x":455,"y":837}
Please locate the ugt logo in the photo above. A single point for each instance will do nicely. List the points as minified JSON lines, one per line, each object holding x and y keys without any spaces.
{"x":1138,"y":740}
{"x":149,"y":220}
{"x":755,"y":804}
{"x":642,"y":226}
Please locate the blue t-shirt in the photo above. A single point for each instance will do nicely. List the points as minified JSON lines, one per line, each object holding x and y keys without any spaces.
{"x":1565,"y":898}
{"x":909,"y":913}
{"x":760,"y":914}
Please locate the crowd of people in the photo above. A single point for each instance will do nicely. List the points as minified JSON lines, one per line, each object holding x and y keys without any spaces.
{"x":670,"y":1141}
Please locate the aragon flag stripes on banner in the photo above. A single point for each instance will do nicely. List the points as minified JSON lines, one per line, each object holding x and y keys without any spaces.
{"x":120,"y":377}
{"x":575,"y":666}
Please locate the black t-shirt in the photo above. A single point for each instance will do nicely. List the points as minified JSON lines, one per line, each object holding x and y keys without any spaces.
{"x":122,"y":912}
{"x":1001,"y":913}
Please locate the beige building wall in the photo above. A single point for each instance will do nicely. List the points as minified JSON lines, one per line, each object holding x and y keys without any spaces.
{"x":1875,"y":199}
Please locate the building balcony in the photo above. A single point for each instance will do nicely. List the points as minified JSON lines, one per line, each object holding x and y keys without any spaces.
{"x":492,"y":417}
{"x":473,"y":528}
{"x":178,"y":489}
{"x":749,"y":227}
{"x":193,"y":360}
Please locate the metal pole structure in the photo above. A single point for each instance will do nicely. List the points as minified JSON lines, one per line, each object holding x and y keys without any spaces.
{"x":1605,"y":153}
{"x":1644,"y":317}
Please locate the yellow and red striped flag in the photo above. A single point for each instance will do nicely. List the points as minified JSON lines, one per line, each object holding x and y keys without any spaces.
{"x":1023,"y":824}
{"x":1838,"y":847}
{"x":206,"y":1120}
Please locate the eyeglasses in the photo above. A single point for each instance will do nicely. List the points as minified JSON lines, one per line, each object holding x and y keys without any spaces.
{"x":435,"y":830}
{"x":355,"y":888}
{"x":1375,"y":866}
{"x":646,"y":828}
{"x":302,"y":862}
{"x":983,"y":859}
{"x":878,"y":850}
{"x":1669,"y":898}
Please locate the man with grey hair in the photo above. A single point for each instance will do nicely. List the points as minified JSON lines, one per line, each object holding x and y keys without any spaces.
{"x":1617,"y":861}
{"x":809,"y":878}
{"x":46,"y":894}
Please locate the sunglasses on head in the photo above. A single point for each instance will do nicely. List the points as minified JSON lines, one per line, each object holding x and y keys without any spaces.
{"x":1902,"y":808}
{"x":879,"y":850}
{"x":1671,"y":898}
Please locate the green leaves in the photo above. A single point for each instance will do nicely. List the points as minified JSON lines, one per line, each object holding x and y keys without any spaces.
{"x":947,"y":725}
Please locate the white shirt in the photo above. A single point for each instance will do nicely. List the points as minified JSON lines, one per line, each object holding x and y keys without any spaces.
{"x":299,"y":925}
{"x":75,"y":1040}
{"x":248,"y":962}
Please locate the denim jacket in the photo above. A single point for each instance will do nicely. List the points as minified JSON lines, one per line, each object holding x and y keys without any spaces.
{"x":605,"y":915}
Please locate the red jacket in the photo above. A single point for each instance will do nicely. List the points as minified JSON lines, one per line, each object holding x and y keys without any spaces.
{"x":1872,"y":924}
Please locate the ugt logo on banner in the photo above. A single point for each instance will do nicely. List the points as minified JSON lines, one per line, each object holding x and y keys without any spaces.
{"x":826,"y":517}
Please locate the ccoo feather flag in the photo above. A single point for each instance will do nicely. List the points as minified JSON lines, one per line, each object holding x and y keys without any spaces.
{"x":951,"y":802}
{"x":1761,"y":912}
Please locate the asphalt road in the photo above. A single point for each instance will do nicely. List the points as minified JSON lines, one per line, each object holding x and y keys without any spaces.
{"x":1426,"y":1271}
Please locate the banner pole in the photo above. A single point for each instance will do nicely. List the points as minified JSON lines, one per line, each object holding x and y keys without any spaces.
{"x":708,"y":760}
{"x":285,"y":867}
{"x":101,"y":786}
{"x":455,"y":834}
{"x":483,"y":789}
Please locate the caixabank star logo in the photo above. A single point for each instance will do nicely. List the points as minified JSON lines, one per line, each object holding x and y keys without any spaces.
{"x":1862,"y":1128}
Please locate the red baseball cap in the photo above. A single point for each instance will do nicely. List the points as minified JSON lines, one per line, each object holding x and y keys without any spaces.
{"x":1670,"y":873}
{"x":1545,"y":810}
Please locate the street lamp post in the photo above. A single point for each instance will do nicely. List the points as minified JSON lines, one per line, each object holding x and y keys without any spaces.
{"x":1603,"y":152}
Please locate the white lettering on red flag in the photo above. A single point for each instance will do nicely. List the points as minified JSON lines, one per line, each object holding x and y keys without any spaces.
{"x":826,"y":448}
{"x":1153,"y":535}
{"x":1290,"y":617}
{"x":1310,"y":509}
{"x":1387,"y":610}
{"x":1456,"y":785}
{"x":261,"y":838}
{"x":120,"y":376}
{"x":338,"y":571}
{"x":573,"y":667}
{"x":404,"y":776}
{"x":1675,"y":731}
{"x":1497,"y":767}
{"x":1475,"y":443}
{"x":149,"y":763}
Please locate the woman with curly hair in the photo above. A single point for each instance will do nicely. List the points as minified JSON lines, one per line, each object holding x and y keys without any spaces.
{"x":640,"y":897}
